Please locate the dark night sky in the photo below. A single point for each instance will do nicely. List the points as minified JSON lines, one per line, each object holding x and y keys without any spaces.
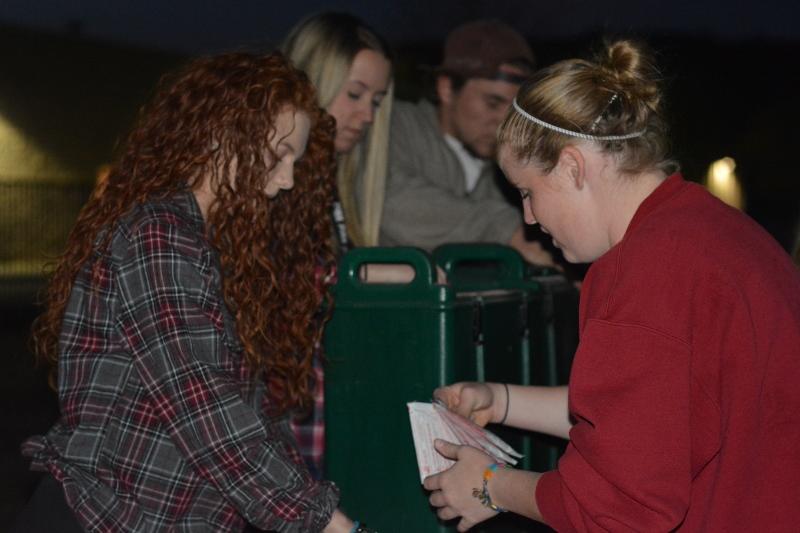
{"x":200,"y":26}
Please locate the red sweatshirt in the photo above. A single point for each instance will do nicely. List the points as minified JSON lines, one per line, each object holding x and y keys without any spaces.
{"x":685,"y":389}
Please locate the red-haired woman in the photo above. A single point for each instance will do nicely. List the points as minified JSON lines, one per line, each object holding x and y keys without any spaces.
{"x":182,"y":319}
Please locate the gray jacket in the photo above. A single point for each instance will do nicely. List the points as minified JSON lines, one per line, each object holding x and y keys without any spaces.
{"x":426,"y":202}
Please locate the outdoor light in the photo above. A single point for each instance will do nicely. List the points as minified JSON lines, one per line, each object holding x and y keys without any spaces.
{"x":23,"y":158}
{"x":722,"y":182}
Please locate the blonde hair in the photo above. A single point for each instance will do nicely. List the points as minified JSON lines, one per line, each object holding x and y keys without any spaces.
{"x":324,"y":46}
{"x":616,"y":93}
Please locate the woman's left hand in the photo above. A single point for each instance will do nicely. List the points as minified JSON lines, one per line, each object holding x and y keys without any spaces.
{"x":452,"y":489}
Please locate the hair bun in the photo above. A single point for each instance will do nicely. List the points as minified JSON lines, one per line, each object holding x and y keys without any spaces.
{"x":630,"y":70}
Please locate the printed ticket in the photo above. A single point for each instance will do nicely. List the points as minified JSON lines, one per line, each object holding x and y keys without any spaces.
{"x":431,"y":421}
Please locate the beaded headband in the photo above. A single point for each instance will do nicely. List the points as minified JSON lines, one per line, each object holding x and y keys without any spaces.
{"x":571,"y":133}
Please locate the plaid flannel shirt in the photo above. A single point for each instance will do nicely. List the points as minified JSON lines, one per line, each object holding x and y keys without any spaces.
{"x":162,"y":427}
{"x":310,"y":430}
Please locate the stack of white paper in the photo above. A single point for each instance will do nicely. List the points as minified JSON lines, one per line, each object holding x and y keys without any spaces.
{"x":430,"y":421}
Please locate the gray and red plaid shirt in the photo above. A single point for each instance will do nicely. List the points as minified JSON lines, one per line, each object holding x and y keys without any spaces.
{"x":162,"y":427}
{"x":310,"y":431}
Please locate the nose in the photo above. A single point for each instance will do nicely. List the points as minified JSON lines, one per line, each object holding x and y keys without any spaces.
{"x":528,"y":212}
{"x":367,"y":114}
{"x":285,"y":179}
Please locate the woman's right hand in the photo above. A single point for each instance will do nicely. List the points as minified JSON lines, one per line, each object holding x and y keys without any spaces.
{"x":473,"y":400}
{"x":339,"y":523}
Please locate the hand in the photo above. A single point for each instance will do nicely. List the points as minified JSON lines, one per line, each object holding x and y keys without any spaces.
{"x":339,"y":523}
{"x":531,"y":251}
{"x":471,"y":400}
{"x":452,"y":489}
{"x":441,"y":276}
{"x":394,"y":273}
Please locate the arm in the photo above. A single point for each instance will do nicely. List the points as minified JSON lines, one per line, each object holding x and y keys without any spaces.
{"x":425,"y":202}
{"x":542,"y":409}
{"x":630,"y":449}
{"x":452,"y":490}
{"x":339,"y":523}
{"x":394,"y":273}
{"x":531,"y":251}
{"x":174,"y":323}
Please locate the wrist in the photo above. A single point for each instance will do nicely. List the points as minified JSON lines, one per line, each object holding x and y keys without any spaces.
{"x":500,"y":403}
{"x":484,"y":494}
{"x":339,"y":523}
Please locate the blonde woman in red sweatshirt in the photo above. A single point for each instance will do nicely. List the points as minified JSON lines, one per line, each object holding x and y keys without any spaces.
{"x":681,"y":407}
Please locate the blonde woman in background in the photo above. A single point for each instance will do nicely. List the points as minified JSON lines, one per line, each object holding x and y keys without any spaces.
{"x":350,"y":66}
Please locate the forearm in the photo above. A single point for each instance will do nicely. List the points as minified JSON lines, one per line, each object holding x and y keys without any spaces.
{"x":515,"y":491}
{"x":531,"y":251}
{"x":541,"y":409}
{"x":386,"y":273}
{"x":418,"y":213}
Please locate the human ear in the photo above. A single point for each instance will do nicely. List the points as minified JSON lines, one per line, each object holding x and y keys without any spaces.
{"x":572,"y":163}
{"x":444,"y":89}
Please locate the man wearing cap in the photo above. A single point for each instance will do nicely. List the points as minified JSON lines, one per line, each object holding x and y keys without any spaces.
{"x":441,"y":185}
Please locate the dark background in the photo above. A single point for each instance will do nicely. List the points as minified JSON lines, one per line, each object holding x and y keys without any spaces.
{"x":72,"y":75}
{"x":730,"y":67}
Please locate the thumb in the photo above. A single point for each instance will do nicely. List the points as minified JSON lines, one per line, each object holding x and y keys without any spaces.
{"x":446,"y":449}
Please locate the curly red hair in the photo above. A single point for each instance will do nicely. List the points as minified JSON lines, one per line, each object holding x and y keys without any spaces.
{"x":215,"y":111}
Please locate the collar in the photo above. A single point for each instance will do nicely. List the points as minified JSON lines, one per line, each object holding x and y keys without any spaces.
{"x":666,"y":189}
{"x":186,"y":203}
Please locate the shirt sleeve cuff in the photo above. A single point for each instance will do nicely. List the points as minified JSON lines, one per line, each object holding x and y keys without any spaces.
{"x":550,"y":502}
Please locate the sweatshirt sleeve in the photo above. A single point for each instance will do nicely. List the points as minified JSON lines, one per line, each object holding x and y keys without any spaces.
{"x":627,"y":466}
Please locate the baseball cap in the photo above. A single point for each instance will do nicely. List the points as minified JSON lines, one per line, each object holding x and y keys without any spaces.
{"x":478,"y":48}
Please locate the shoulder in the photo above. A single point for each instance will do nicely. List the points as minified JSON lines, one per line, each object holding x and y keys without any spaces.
{"x":415,"y":135}
{"x":695,"y":229}
{"x":723,"y":247}
{"x":688,"y":250}
{"x":169,"y":225}
{"x":419,"y":116}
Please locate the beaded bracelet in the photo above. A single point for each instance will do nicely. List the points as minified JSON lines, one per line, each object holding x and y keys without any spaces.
{"x":483,"y":493}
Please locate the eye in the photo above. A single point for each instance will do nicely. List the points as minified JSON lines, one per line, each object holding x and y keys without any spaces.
{"x":376,"y":103}
{"x":353,"y":96}
{"x":493,"y":103}
{"x":284,"y":153}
